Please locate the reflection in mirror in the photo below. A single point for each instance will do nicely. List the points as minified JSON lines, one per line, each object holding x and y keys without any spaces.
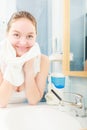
{"x":85,"y":65}
{"x":77,"y":31}
{"x":78,"y":35}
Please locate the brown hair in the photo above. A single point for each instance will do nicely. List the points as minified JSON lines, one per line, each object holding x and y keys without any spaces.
{"x":21,"y":14}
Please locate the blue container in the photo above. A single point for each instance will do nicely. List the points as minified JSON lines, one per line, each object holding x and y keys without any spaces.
{"x":59,"y":82}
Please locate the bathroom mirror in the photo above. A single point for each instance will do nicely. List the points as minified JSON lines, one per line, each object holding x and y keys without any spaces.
{"x":74,"y":40}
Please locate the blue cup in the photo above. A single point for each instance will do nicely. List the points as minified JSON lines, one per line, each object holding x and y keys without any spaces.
{"x":58,"y":80}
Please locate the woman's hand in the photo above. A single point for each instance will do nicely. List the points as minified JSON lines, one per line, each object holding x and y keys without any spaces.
{"x":19,"y":88}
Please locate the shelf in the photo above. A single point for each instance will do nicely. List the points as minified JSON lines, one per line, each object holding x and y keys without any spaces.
{"x":59,"y":57}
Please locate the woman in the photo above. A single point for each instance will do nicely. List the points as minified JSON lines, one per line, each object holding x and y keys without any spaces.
{"x":18,"y":73}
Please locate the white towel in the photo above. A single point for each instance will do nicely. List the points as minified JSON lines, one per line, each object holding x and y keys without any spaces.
{"x":11,"y":66}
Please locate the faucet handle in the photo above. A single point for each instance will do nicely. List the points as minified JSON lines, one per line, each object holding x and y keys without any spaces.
{"x":81,"y":111}
{"x":76,"y":103}
{"x":79,"y":100}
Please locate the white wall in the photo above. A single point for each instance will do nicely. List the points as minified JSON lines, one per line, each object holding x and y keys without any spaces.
{"x":57,"y":23}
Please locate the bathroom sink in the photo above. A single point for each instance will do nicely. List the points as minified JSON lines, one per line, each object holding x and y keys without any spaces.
{"x":39,"y":117}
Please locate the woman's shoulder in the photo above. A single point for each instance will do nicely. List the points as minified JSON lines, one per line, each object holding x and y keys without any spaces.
{"x":45,"y":64}
{"x":45,"y":59}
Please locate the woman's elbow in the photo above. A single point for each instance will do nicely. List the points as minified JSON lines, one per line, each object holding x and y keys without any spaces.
{"x":3,"y":105}
{"x":34,"y":101}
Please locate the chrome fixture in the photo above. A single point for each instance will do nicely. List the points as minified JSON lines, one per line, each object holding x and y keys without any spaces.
{"x":74,"y":101}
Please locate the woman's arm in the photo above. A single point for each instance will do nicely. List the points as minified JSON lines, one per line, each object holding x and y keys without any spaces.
{"x":6,"y":90}
{"x":34,"y":86}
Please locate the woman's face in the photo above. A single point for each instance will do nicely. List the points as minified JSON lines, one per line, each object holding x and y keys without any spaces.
{"x":22,"y":35}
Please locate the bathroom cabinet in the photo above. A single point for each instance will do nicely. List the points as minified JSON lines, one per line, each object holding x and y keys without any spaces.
{"x":69,"y":34}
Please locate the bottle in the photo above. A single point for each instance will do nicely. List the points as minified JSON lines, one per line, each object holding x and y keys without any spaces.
{"x":58,"y":83}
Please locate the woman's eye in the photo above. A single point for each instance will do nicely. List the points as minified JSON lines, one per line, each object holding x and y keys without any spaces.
{"x":16,"y":35}
{"x":29,"y":36}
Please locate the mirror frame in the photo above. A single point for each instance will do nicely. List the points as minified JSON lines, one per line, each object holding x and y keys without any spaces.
{"x":66,"y":44}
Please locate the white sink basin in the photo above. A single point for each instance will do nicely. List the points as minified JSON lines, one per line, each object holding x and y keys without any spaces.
{"x":39,"y":117}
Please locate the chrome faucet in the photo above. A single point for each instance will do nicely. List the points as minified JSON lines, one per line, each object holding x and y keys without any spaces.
{"x":77,"y":105}
{"x":74,"y":101}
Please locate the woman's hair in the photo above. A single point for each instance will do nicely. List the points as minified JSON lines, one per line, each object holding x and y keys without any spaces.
{"x":22,"y":14}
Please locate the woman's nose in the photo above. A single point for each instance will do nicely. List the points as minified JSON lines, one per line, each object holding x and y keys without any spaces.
{"x":23,"y":40}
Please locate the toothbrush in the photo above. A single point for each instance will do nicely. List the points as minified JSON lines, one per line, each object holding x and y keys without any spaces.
{"x":56,"y":95}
